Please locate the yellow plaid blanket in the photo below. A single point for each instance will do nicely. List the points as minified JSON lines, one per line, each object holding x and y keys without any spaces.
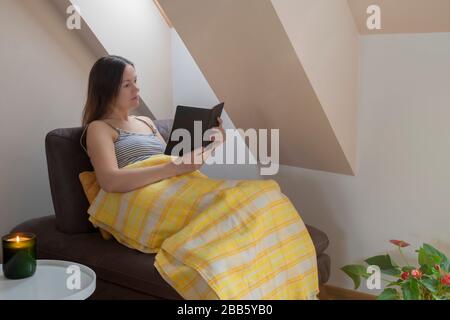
{"x":215,"y":239}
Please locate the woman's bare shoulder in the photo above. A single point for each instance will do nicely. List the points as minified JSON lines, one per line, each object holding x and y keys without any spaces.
{"x":100,"y":128}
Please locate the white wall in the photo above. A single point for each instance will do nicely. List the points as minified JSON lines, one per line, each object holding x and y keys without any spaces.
{"x":403,"y":185}
{"x":136,"y":30}
{"x":43,"y":82}
{"x":192,"y":89}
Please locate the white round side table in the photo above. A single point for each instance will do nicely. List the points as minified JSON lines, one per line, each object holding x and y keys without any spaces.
{"x":53,"y":280}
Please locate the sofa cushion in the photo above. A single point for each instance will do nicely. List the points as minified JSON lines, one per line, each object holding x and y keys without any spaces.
{"x":66,"y":159}
{"x":164,"y":127}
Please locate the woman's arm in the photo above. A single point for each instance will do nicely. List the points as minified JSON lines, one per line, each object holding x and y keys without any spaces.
{"x":100,"y":146}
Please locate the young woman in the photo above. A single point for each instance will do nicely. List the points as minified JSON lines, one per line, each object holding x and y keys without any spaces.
{"x":114,"y":138}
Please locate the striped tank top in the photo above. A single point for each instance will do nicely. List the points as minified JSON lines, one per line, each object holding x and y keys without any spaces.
{"x":131,"y":147}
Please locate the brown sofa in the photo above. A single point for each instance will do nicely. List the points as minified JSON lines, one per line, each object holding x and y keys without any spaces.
{"x":122,"y":273}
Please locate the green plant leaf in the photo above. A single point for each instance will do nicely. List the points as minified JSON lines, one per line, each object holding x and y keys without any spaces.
{"x":395,"y":283}
{"x":408,"y":268}
{"x":392,"y":272}
{"x":356,"y":271}
{"x":410,"y":290}
{"x":428,"y":259}
{"x":439,"y":297}
{"x":430,"y":283}
{"x":445,"y":265}
{"x":389,"y":294}
{"x":385,"y":264}
{"x":427,"y":269}
{"x":428,"y":255}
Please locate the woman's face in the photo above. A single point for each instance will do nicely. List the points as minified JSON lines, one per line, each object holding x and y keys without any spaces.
{"x":128,"y":97}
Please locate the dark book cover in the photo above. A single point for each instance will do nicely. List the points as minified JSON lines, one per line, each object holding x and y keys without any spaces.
{"x":185,"y":118}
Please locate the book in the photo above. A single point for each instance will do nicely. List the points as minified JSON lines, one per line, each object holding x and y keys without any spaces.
{"x":185,"y":118}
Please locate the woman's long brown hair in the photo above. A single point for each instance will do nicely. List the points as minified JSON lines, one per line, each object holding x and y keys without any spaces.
{"x":105,"y":79}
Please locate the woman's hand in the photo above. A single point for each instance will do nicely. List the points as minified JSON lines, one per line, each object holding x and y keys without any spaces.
{"x":195,"y":159}
{"x":190,"y":161}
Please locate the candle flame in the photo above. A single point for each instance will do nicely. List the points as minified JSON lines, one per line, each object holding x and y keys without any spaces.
{"x":17,"y":239}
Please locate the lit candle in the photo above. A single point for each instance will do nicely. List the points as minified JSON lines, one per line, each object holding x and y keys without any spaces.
{"x":19,"y":255}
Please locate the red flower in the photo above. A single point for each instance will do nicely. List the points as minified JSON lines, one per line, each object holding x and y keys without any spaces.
{"x":416,"y":273}
{"x":405,"y":275}
{"x":399,"y":243}
{"x":446,"y":280}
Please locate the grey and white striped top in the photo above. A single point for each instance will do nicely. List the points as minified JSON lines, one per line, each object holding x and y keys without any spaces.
{"x":131,"y":147}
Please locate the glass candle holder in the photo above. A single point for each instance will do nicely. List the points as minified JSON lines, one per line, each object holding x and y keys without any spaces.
{"x":19,"y":255}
